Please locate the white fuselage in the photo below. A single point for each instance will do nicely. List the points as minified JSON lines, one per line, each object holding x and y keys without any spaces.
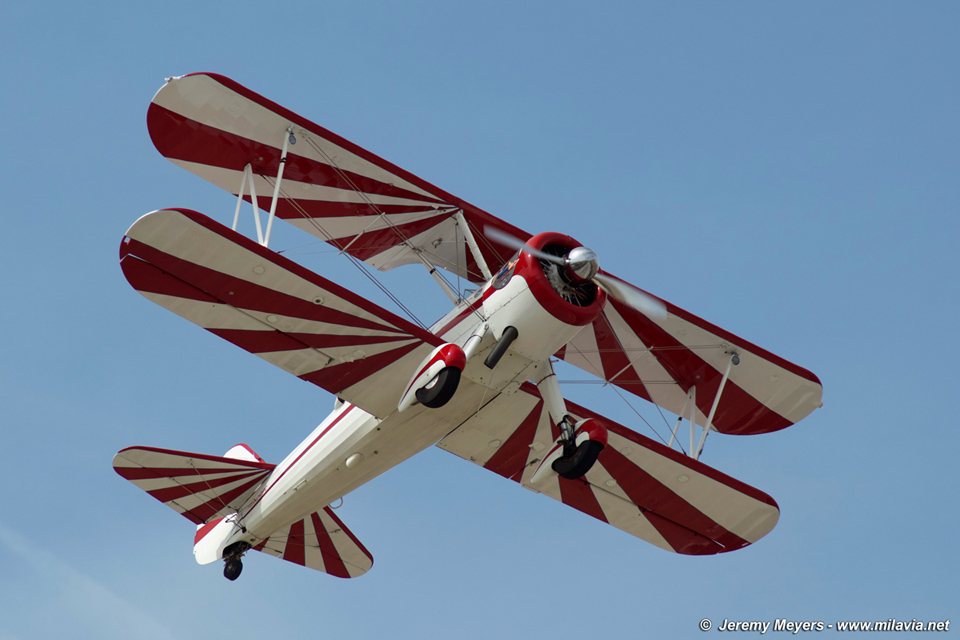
{"x":351,"y":447}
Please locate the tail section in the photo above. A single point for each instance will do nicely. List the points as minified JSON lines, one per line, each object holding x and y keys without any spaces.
{"x":210,"y":490}
{"x":322,"y":542}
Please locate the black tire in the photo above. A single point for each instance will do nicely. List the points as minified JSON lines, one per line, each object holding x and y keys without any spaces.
{"x":440,"y":393}
{"x":232,"y":569}
{"x":577,"y":465}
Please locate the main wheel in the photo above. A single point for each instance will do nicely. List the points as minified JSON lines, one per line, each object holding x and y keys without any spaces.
{"x":232,"y":569}
{"x":577,"y":465}
{"x":441,"y":389}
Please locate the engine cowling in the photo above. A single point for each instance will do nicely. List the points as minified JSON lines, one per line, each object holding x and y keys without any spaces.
{"x":546,"y":303}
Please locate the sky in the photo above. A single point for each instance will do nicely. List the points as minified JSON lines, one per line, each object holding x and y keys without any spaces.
{"x":787,"y":171}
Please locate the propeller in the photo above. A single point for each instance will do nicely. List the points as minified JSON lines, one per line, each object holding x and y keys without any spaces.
{"x":583,"y":264}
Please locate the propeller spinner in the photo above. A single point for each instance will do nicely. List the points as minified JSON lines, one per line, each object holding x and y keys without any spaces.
{"x":582,"y":265}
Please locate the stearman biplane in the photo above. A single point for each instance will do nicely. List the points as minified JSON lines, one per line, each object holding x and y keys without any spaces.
{"x":479,"y":383}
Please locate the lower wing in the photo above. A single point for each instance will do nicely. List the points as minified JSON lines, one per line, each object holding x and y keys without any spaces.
{"x":637,"y":485}
{"x":273,"y":307}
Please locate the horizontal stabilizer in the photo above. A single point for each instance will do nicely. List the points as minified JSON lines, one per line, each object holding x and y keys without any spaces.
{"x":322,"y":542}
{"x":200,"y":487}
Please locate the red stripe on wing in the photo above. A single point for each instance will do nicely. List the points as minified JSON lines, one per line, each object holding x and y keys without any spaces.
{"x":177,"y":136}
{"x":650,"y":494}
{"x":180,"y":138}
{"x":682,"y":540}
{"x":237,"y":292}
{"x":738,"y":412}
{"x":615,"y":361}
{"x":579,"y":495}
{"x":146,"y":277}
{"x":266,"y":341}
{"x":511,"y":458}
{"x":338,"y":377}
{"x":370,"y":243}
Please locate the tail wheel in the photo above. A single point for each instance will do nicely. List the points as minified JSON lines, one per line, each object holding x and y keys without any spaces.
{"x":577,"y":465}
{"x":232,"y":568}
{"x":439,"y":391}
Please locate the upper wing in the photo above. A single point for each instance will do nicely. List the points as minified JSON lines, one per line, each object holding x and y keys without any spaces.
{"x":637,"y":485}
{"x":274,"y":308}
{"x":663,"y":359}
{"x":331,"y":188}
{"x":377,"y":212}
{"x":199,"y":487}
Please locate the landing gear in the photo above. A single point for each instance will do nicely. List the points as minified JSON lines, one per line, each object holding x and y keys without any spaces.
{"x":576,"y":465}
{"x":436,"y":379}
{"x":577,"y":460}
{"x":441,"y":389}
{"x":231,"y":557}
{"x":232,"y":568}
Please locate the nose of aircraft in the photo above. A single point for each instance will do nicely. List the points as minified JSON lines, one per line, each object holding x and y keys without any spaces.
{"x":582,"y":264}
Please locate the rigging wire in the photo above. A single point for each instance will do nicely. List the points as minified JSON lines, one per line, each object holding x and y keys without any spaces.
{"x":645,"y":421}
{"x":356,"y":262}
{"x":381,"y":216}
{"x":404,"y":240}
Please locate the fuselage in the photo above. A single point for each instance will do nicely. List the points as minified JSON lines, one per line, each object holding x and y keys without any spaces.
{"x":351,"y":447}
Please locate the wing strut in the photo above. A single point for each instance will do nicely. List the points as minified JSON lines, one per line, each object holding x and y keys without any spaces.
{"x":289,"y":138}
{"x":691,"y":402}
{"x":734,"y":360}
{"x":447,"y":289}
{"x":472,"y":243}
{"x":248,"y":177}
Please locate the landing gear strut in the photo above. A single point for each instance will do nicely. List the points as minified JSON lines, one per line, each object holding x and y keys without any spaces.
{"x":581,"y":440}
{"x":231,"y":558}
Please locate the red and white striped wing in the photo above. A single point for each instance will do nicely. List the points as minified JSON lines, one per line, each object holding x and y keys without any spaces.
{"x":637,"y":485}
{"x":331,"y":188}
{"x":322,"y":542}
{"x":660,"y":360}
{"x":199,"y":487}
{"x":273,"y":307}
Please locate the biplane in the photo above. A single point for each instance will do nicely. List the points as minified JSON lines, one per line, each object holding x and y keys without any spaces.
{"x":479,"y":383}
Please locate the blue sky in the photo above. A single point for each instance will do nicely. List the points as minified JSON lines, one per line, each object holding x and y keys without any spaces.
{"x":788,"y":171}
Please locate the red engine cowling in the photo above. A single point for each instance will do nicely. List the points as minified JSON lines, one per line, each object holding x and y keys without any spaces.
{"x":538,"y":298}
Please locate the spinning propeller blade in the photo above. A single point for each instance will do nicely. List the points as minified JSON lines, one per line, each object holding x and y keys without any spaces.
{"x":516,"y":243}
{"x":631,"y":296}
{"x":616,"y":289}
